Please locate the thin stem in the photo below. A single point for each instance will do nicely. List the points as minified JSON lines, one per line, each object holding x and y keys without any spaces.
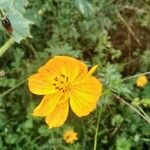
{"x":14,"y":87}
{"x":96,"y":131}
{"x":143,"y":112}
{"x":148,"y":6}
{"x":54,"y":148}
{"x":144,"y":139}
{"x":129,"y":28}
{"x":130,"y":7}
{"x":29,"y":45}
{"x":133,"y":108}
{"x":6,"y":46}
{"x":137,"y":75}
{"x":105,"y":92}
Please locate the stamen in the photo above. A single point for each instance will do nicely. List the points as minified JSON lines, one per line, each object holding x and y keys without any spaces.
{"x":57,"y":88}
{"x":60,"y":88}
{"x":67,"y":79}
{"x":56,"y":79}
{"x":61,"y":82}
{"x":62,"y":75}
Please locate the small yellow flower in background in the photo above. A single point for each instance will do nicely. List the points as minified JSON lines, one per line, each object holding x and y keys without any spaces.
{"x":141,"y":81}
{"x":70,"y":136}
{"x":64,"y":81}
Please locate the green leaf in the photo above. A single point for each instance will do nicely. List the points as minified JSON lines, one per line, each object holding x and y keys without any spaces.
{"x":145,"y":102}
{"x":84,"y":7}
{"x":20,"y":4}
{"x":11,"y":138}
{"x":123,"y":144}
{"x":117,"y":119}
{"x":64,"y":49}
{"x":44,"y":131}
{"x":7,"y":82}
{"x":145,"y":92}
{"x":28,"y":124}
{"x":19,"y":24}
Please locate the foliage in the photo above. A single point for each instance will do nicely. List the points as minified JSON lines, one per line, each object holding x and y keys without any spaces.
{"x":93,"y":32}
{"x":14,"y":11}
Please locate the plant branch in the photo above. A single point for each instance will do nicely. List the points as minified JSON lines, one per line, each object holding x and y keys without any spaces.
{"x":143,"y":112}
{"x":14,"y":87}
{"x":129,"y":28}
{"x":6,"y":46}
{"x":96,"y":131}
{"x":137,"y":75}
{"x":133,"y":108}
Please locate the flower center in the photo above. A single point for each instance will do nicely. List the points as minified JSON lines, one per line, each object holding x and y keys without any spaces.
{"x":61,"y":83}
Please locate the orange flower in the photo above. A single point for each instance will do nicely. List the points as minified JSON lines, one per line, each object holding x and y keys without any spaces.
{"x":70,"y":136}
{"x":141,"y":81}
{"x":64,"y":80}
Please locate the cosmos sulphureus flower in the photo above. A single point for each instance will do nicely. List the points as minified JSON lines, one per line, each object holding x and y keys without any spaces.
{"x":65,"y":81}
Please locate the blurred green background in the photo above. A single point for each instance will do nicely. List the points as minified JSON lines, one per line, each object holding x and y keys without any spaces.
{"x":111,"y":33}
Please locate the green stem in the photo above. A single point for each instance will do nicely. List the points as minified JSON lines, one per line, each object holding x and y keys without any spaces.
{"x":52,"y":135}
{"x":96,"y":131}
{"x":133,"y":108}
{"x":14,"y":87}
{"x":148,"y":118}
{"x":135,"y":76}
{"x":6,"y":46}
{"x":145,"y":140}
{"x":129,"y":28}
{"x":29,"y":45}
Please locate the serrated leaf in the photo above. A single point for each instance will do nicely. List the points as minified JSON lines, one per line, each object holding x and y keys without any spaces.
{"x":19,"y":24}
{"x":65,"y":49}
{"x":20,"y":4}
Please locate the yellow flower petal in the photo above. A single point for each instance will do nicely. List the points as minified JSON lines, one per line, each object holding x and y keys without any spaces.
{"x":52,"y":67}
{"x":40,"y":84}
{"x":84,"y":96}
{"x":70,"y":136}
{"x":141,"y":81}
{"x":73,"y":67}
{"x":65,"y":65}
{"x":59,"y":114}
{"x":48,"y":104}
{"x":92,"y":70}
